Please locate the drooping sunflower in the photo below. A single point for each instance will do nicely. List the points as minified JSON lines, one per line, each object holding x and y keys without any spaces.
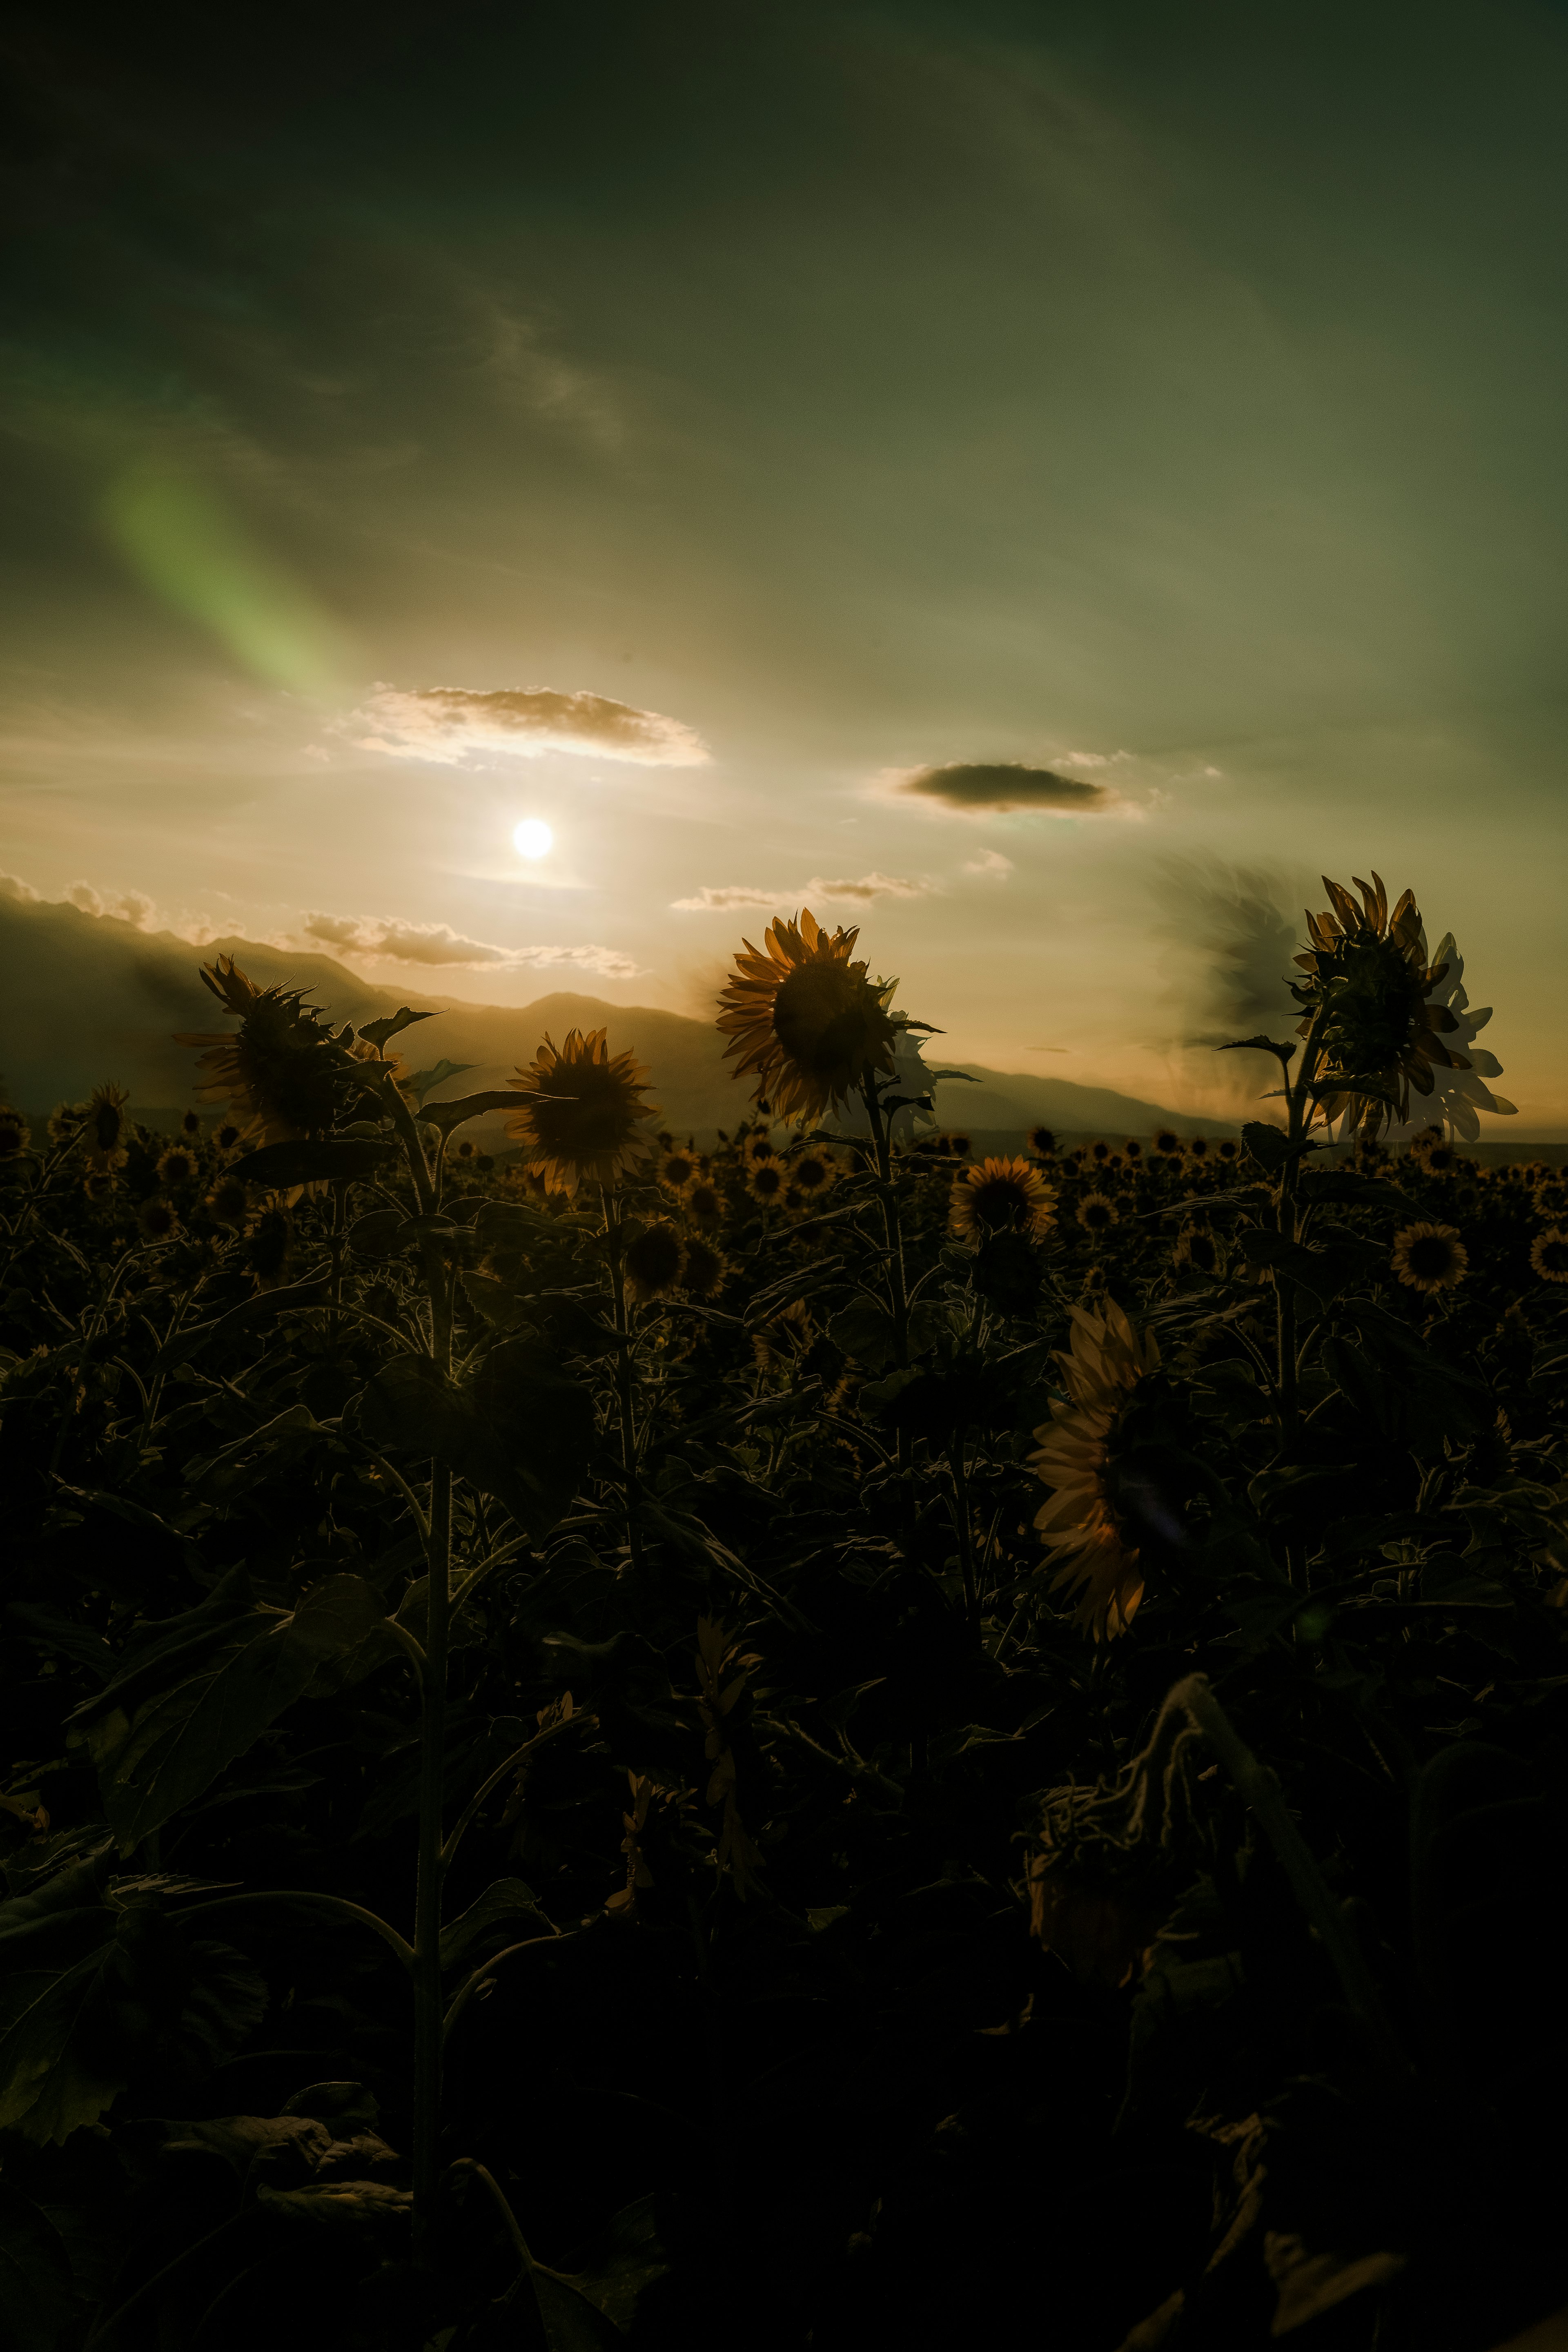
{"x":652,"y":1264}
{"x":1549,"y":1255}
{"x":1429,"y":1257}
{"x":1080,"y":1524}
{"x":995,"y":1196}
{"x":283,"y":1073}
{"x":104,"y":1127}
{"x":1096,"y":1213}
{"x":582,"y":1115}
{"x":1372,"y":997}
{"x":813,"y":1025}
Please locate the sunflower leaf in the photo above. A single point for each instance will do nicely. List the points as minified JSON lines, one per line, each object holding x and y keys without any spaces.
{"x":380,"y":1032}
{"x":1261,"y":1043}
{"x":424,"y":1082}
{"x":448,"y":1115}
{"x":335,"y":1159}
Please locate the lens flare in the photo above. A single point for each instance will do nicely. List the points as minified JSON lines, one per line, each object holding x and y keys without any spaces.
{"x":533,"y":838}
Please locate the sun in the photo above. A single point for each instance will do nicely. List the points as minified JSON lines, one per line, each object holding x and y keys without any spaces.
{"x":533,"y":838}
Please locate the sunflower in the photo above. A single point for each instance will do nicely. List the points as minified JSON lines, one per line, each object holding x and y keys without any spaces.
{"x":767,"y":1183}
{"x":191,"y":1125}
{"x":1372,"y":996}
{"x":1132,"y":1151}
{"x":758,"y":1146}
{"x":1230,"y":1149}
{"x":580,"y":1116}
{"x":704,"y":1204}
{"x":1168,"y":1143}
{"x":811,"y":1025}
{"x":228,"y":1200}
{"x":1042,"y":1143}
{"x":176,"y":1166}
{"x":1075,"y":1457}
{"x":703,"y":1268}
{"x":1001,"y":1196}
{"x":227,"y":1136}
{"x":652,"y":1264}
{"x":1429,"y":1257}
{"x":1196,"y":1247}
{"x":156,"y":1220}
{"x":1197,"y":1147}
{"x":1099,"y":1151}
{"x":14,"y":1133}
{"x":677,"y":1171}
{"x":269,"y":1243}
{"x":1549,"y":1255}
{"x":282,"y":1073}
{"x":1552,"y":1198}
{"x":812,"y":1174}
{"x":104,"y":1127}
{"x":1096,"y":1213}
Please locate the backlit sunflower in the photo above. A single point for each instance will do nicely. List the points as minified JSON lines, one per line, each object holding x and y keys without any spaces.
{"x":813,"y":1025}
{"x":14,"y":1133}
{"x":1375,"y":1000}
{"x":156,"y":1219}
{"x":1196,"y":1248}
{"x":176,"y":1166}
{"x":767,"y":1182}
{"x":1075,"y":1458}
{"x":1168,"y":1143}
{"x":702,"y":1269}
{"x":1043,"y":1142}
{"x":1429,"y":1257}
{"x":228,"y":1200}
{"x":282,"y":1073}
{"x":704,"y":1204}
{"x":65,"y":1122}
{"x":104,"y":1129}
{"x":676,"y":1170}
{"x":812,"y":1174}
{"x":1001,"y":1196}
{"x":1096,"y":1214}
{"x":1549,"y":1255}
{"x":582,"y":1114}
{"x":1552,"y":1198}
{"x":652,"y":1264}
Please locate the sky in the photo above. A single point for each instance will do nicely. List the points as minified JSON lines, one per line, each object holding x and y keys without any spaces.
{"x":1012,"y":477}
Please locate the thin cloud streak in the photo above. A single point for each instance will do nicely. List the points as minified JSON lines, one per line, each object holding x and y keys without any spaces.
{"x":448,"y":724}
{"x":732,"y":897}
{"x":437,"y":945}
{"x":992,"y":787}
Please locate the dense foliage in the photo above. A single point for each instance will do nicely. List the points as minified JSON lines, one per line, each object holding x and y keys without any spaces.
{"x":607,"y":1632}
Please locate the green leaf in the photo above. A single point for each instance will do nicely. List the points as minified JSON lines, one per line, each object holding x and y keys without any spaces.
{"x":37,"y":2303}
{"x":626,"y":2259}
{"x":376,"y":1234}
{"x":424,"y":1082}
{"x":146,"y":1998}
{"x":517,"y":1431}
{"x":380,"y":1034}
{"x":448,"y":1115}
{"x":572,"y":2323}
{"x":498,"y":1910}
{"x":162,"y":1733}
{"x":864,"y":1329}
{"x":1271,"y":1147}
{"x":335,"y":1159}
{"x":340,"y":2206}
{"x":1285,"y":1050}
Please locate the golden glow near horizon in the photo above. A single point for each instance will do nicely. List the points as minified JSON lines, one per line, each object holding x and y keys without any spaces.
{"x":533,"y":838}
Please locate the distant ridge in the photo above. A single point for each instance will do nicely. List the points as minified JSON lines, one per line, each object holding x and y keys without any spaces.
{"x":85,"y":997}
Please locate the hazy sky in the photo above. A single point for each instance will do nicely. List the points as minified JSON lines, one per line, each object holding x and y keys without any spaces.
{"x":688,"y":425}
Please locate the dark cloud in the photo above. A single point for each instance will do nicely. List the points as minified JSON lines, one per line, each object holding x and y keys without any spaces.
{"x":1007,"y":784}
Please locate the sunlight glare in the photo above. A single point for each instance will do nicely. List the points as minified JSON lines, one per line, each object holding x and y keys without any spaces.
{"x":533,"y":838}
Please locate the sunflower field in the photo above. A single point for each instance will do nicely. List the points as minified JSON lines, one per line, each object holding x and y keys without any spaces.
{"x":814,"y":1739}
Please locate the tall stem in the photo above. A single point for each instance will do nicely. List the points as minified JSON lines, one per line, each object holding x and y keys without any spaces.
{"x":624,"y":1383}
{"x":427,"y":2017}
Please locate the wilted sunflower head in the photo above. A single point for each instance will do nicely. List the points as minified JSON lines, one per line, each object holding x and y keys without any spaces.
{"x":104,"y":1126}
{"x":814,"y":1026}
{"x":282,"y":1073}
{"x":156,"y":1219}
{"x":582,"y":1114}
{"x":1042,"y":1141}
{"x":176,"y":1166}
{"x":14,"y":1133}
{"x":704,"y":1204}
{"x":677,"y":1169}
{"x":703,"y":1268}
{"x":997,"y":1196}
{"x":1549,"y":1255}
{"x":652,"y":1264}
{"x":1083,"y":1524}
{"x":1369,"y":995}
{"x":767,"y":1182}
{"x":1096,"y":1213}
{"x":1429,"y":1257}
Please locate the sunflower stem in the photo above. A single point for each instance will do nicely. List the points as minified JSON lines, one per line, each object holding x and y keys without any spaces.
{"x":428,"y":2006}
{"x":623,"y":1381}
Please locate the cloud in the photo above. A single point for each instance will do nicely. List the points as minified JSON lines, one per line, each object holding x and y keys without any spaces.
{"x":437,"y":944}
{"x":448,"y":723}
{"x":978,"y":786}
{"x":132,"y":906}
{"x":732,"y":897}
{"x":13,"y":887}
{"x":992,"y":864}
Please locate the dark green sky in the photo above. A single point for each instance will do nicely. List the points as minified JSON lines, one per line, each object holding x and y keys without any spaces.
{"x":1171,"y":397}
